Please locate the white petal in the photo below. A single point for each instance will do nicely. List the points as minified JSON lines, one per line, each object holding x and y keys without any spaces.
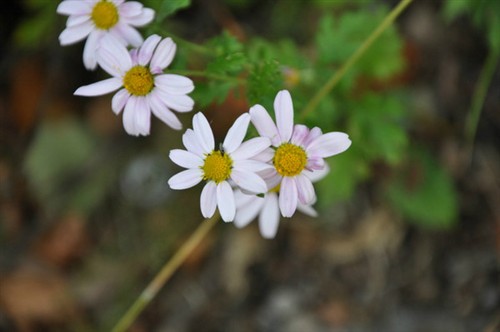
{"x":75,"y":33}
{"x":113,"y":54}
{"x":77,"y":19}
{"x":248,"y":207}
{"x":164,"y":54}
{"x":143,"y":116}
{"x":208,"y":199}
{"x":130,"y":8}
{"x":203,"y":132}
{"x":119,"y":100}
{"x":300,"y":133}
{"x":191,"y":143}
{"x":269,"y":218}
{"x":305,"y":189}
{"x":288,"y":197}
{"x":317,"y":175}
{"x":329,"y":144}
{"x":313,"y":134}
{"x":225,"y":201}
{"x":174,"y":84}
{"x":307,"y":210}
{"x":179,"y":103}
{"x":251,"y":148}
{"x":99,"y":88}
{"x":129,"y":34}
{"x":250,"y":165}
{"x":185,"y":158}
{"x":147,"y":48}
{"x":144,"y":18}
{"x":129,"y":122}
{"x":74,"y":7}
{"x":265,"y":156}
{"x":90,"y":50}
{"x":162,"y":112}
{"x":185,"y":179}
{"x":248,"y":181}
{"x":283,"y":108}
{"x":236,"y":133}
{"x":264,"y":124}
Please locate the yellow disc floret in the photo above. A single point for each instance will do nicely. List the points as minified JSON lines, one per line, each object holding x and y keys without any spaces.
{"x":217,"y":167}
{"x":105,"y":15}
{"x":289,"y":159}
{"x":138,"y":81}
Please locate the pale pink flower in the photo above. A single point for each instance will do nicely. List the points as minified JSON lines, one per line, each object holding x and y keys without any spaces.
{"x":233,"y":162}
{"x":144,"y":89}
{"x":93,"y":19}
{"x":296,"y":150}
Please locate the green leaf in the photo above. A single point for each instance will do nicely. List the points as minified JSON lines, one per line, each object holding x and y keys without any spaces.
{"x":264,"y":81}
{"x":424,"y":193}
{"x":166,"y":7}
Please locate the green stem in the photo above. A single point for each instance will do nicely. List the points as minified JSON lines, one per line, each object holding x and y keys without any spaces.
{"x":149,"y":293}
{"x":333,"y":81}
{"x":479,"y":96}
{"x":197,"y":73}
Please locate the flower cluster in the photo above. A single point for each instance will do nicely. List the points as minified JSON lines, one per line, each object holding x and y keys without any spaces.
{"x":266,"y":177}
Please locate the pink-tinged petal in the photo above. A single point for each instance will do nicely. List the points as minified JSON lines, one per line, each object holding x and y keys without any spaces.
{"x":225,"y":201}
{"x":273,"y":179}
{"x":130,"y":8}
{"x":77,"y":19}
{"x":99,"y":88}
{"x":300,"y":133}
{"x":288,"y":197}
{"x":283,"y":108}
{"x":305,"y":189}
{"x":174,"y":84}
{"x":329,"y":144}
{"x":185,"y":179}
{"x":117,"y":3}
{"x":264,"y":124}
{"x":90,"y":50}
{"x":74,"y":7}
{"x":127,"y":33}
{"x":236,"y":133}
{"x":251,"y":165}
{"x":116,"y":55}
{"x":191,"y":143}
{"x":119,"y":100}
{"x":248,"y":181}
{"x":265,"y":156}
{"x":163,"y":113}
{"x":251,"y":148}
{"x":141,"y":20}
{"x":128,"y":118}
{"x":247,"y":208}
{"x":269,"y":218}
{"x":185,"y":158}
{"x":307,"y":210}
{"x":147,"y":48}
{"x":203,"y":132}
{"x":208,"y":199}
{"x":313,"y":134}
{"x":75,"y":33}
{"x":179,"y":103}
{"x":315,"y":163}
{"x":164,"y":54}
{"x":317,"y":175}
{"x":142,"y":116}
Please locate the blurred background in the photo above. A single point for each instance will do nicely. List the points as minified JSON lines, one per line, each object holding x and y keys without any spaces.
{"x":408,"y":237}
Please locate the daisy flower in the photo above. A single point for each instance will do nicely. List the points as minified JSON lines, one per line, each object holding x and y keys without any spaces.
{"x":92,"y":19}
{"x":266,"y":207}
{"x":143,"y":86}
{"x":296,"y":150}
{"x":233,"y":161}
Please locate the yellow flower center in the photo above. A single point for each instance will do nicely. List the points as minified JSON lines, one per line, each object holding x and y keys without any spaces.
{"x":105,"y":15}
{"x":289,"y":159}
{"x":217,"y":166}
{"x":138,"y":81}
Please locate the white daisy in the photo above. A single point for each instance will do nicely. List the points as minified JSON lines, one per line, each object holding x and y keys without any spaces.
{"x":297,"y":149}
{"x":266,"y":207}
{"x":232,"y":162}
{"x":93,"y":19}
{"x":145,"y":88}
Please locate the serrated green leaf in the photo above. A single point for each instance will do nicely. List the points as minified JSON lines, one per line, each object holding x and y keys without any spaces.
{"x":264,"y":81}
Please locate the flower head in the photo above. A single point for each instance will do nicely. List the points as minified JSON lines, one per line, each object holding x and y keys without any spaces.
{"x":297,"y":149}
{"x":144,"y":87}
{"x":93,"y":19}
{"x":233,"y":162}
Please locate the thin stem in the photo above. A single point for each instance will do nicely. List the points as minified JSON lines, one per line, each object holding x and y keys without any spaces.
{"x":479,"y":96}
{"x":333,"y":81}
{"x":197,"y":73}
{"x":164,"y":275}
